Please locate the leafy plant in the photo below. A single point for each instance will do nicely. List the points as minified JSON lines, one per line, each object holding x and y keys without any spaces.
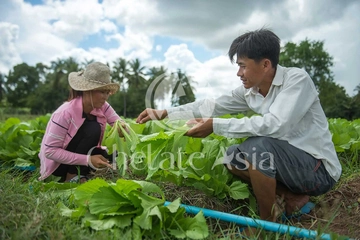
{"x":20,"y":141}
{"x":133,"y":206}
{"x":171,"y":156}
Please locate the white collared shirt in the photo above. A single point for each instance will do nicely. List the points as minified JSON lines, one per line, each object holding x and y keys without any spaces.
{"x":290,"y":111}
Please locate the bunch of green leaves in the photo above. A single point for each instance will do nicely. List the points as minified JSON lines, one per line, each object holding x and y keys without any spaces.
{"x":135,"y":207}
{"x":122,"y":145}
{"x":207,"y":172}
{"x":346,"y":139}
{"x":345,"y":134}
{"x":171,"y":156}
{"x":20,"y":141}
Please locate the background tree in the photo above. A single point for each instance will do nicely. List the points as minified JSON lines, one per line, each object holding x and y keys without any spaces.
{"x":160,"y":88}
{"x":2,"y":87}
{"x":183,"y":92}
{"x":355,"y":104}
{"x":311,"y":56}
{"x":120,"y":74}
{"x":136,"y":90}
{"x":21,"y":82}
{"x":84,"y":63}
{"x":335,"y":101}
{"x":55,"y":90}
{"x":137,"y":74}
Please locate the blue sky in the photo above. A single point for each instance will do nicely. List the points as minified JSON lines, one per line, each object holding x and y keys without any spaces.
{"x":191,"y":35}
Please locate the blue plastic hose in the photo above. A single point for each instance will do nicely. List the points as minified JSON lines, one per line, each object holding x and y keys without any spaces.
{"x":256,"y":223}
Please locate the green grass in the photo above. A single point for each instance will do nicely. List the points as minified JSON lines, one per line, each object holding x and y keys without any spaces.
{"x":29,"y":214}
{"x":350,"y":163}
{"x":22,"y":117}
{"x":21,"y":113}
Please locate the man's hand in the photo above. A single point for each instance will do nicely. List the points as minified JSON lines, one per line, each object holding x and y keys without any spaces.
{"x":202,"y":127}
{"x":151,"y":114}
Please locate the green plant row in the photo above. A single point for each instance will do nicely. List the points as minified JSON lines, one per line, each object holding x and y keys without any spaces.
{"x":159,"y":151}
{"x":165,"y":154}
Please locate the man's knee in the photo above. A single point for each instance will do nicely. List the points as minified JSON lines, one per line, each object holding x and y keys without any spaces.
{"x":242,"y":174}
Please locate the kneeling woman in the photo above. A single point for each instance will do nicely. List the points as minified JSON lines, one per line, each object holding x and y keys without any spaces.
{"x":71,"y":145}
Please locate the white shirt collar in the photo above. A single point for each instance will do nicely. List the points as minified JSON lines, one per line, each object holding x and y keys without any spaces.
{"x":277,"y":81}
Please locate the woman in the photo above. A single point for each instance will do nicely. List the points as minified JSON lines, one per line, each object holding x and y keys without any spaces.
{"x":72,"y":142}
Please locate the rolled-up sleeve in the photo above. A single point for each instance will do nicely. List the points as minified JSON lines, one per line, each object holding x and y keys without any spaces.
{"x":206,"y":108}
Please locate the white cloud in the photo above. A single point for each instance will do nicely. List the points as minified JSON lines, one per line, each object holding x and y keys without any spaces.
{"x":180,"y":57}
{"x":131,"y":45}
{"x":211,"y":79}
{"x":9,"y":56}
{"x":76,"y":19}
{"x":131,"y":13}
{"x":341,"y":42}
{"x":216,"y":77}
{"x":36,"y":42}
{"x":158,"y":48}
{"x":55,"y":28}
{"x":108,"y":26}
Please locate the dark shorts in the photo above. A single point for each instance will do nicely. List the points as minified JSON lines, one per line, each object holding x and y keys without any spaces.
{"x":297,"y":170}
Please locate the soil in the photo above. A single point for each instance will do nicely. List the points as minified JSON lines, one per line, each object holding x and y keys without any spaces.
{"x":336,"y":212}
{"x":339,"y":209}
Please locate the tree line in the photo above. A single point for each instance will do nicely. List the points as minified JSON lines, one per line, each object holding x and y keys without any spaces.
{"x":42,"y":88}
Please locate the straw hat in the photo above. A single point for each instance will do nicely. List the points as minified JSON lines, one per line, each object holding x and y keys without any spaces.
{"x":95,"y":77}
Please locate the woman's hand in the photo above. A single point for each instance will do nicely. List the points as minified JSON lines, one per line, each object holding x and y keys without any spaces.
{"x":99,"y":161}
{"x":151,"y":114}
{"x":125,"y":127}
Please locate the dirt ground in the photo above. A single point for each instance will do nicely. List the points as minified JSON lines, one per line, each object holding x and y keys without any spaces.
{"x":339,"y":209}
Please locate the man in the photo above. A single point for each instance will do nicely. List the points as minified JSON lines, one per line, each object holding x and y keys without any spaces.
{"x":289,"y":150}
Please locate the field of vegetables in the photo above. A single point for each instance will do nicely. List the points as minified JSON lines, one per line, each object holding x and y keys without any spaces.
{"x":152,"y":156}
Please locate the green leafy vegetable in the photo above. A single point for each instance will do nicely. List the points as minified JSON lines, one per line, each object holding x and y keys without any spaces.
{"x":130,"y":204}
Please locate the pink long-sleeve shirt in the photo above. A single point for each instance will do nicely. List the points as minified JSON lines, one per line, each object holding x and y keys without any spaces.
{"x":62,"y":127}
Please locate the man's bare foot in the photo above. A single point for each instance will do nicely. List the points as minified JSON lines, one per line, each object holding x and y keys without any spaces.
{"x":279,"y":207}
{"x":294,"y":202}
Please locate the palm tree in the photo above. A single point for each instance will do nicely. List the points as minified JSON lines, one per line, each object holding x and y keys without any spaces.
{"x":85,"y":63}
{"x":60,"y":71}
{"x":355,"y":104}
{"x":357,"y":89}
{"x":137,"y":78}
{"x":2,"y":87}
{"x":161,"y":87}
{"x":120,"y":74}
{"x":56,"y":84}
{"x":183,"y":91}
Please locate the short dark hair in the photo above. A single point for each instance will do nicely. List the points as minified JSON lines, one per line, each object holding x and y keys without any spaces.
{"x":256,"y":45}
